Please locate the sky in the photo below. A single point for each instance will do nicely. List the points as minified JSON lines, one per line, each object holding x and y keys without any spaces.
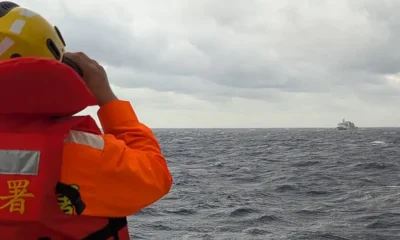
{"x":241,"y":63}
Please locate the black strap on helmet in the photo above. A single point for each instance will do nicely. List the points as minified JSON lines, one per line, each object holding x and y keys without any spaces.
{"x":6,"y":7}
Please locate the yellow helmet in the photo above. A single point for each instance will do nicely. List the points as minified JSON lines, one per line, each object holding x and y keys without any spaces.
{"x":24,"y":33}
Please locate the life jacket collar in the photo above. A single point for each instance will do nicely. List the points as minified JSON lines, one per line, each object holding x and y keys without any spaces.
{"x":43,"y":87}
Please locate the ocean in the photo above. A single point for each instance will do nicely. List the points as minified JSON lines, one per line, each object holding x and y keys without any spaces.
{"x":316,"y":184}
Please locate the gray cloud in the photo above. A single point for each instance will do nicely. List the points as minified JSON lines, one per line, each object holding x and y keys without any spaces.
{"x":252,"y":49}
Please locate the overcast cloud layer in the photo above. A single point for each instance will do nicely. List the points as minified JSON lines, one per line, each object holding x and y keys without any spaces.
{"x":249,"y":63}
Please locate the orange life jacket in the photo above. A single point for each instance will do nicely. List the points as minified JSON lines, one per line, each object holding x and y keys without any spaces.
{"x":37,"y":100}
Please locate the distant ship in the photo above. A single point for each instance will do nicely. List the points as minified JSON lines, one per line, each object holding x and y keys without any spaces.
{"x":346,"y":125}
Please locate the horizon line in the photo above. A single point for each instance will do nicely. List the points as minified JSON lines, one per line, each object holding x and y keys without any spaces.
{"x":263,"y":128}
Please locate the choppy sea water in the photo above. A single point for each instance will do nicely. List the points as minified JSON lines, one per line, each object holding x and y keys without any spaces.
{"x":277,"y":184}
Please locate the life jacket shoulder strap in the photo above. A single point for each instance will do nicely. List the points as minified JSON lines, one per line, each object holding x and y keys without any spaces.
{"x":110,"y":230}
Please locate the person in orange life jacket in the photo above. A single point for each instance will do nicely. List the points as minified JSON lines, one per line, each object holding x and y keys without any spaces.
{"x":116,"y":174}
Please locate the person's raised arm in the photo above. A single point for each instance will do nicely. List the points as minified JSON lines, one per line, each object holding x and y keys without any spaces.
{"x":131,"y":172}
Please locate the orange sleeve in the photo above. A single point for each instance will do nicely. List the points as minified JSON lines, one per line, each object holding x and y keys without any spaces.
{"x":128,"y":174}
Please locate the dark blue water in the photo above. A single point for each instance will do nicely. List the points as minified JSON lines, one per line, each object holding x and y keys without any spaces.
{"x":277,"y":184}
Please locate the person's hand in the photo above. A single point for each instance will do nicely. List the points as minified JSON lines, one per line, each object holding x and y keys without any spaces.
{"x":94,"y":76}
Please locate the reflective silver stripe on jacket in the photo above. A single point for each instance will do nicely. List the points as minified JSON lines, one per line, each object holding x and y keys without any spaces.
{"x":24,"y":162}
{"x":84,"y":138}
{"x":19,"y":162}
